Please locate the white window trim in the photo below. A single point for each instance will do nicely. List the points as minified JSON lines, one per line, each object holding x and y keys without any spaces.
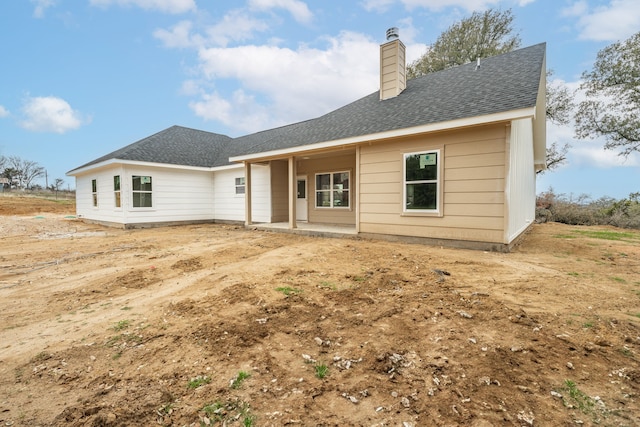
{"x":331,"y":190}
{"x":423,"y":212}
{"x":140,"y":208}
{"x":238,"y":186}
{"x":117,"y":193}
{"x":94,"y":194}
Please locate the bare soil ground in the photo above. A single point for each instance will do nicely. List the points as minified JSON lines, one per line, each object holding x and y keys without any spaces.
{"x":217,"y":325}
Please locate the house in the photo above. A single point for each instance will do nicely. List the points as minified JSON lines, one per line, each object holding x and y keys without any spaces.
{"x":448,"y":158}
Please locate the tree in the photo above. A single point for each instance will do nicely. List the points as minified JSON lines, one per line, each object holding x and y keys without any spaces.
{"x":25,"y":171}
{"x":612,"y":105}
{"x":559,"y":106}
{"x":58,"y":183}
{"x":481,"y":35}
{"x":487,"y":34}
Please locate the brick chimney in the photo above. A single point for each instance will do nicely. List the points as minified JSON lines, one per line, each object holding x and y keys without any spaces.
{"x":393,"y":78}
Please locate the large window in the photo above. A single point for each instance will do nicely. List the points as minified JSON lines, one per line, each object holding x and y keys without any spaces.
{"x":116,"y":191}
{"x":332,"y":190}
{"x":240,"y":187}
{"x":94,"y":191}
{"x":421,"y":181}
{"x":141,"y":191}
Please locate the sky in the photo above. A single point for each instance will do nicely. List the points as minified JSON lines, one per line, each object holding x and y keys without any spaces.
{"x":82,"y":78}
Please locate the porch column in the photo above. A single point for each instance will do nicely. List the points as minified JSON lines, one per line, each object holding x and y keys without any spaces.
{"x":247,"y":193}
{"x":293,"y":192}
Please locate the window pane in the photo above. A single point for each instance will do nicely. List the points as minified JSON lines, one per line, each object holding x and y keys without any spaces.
{"x":422,"y":196}
{"x":323,"y":182}
{"x":341,"y":199}
{"x":302,"y":189}
{"x":95,"y":199}
{"x":141,"y":183}
{"x":94,"y":186}
{"x":240,"y":181}
{"x":141,"y":200}
{"x":421,"y":167}
{"x":116,"y":183}
{"x":341,"y":181}
{"x":117,"y":193}
{"x":323,"y":199}
{"x":240,"y":189}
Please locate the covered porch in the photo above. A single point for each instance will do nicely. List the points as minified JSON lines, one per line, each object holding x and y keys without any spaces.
{"x":307,"y":229}
{"x":311,"y":193}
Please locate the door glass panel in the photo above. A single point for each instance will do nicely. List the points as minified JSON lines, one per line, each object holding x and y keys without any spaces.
{"x":302,"y":189}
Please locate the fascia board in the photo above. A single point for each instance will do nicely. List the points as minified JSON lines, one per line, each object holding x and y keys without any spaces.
{"x":433,"y":127}
{"x":118,"y":162}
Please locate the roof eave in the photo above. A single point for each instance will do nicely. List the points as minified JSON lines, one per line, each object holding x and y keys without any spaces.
{"x":117,"y":162}
{"x":397,"y":133}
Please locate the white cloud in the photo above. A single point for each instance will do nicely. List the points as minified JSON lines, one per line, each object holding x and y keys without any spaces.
{"x":344,"y":71}
{"x":616,"y":21}
{"x":469,"y":5}
{"x":166,"y":6}
{"x":296,"y":8}
{"x":578,"y":8}
{"x":234,"y":27}
{"x":3,"y":112}
{"x":592,"y":154}
{"x":49,"y":114}
{"x":41,"y":6}
{"x":179,"y":36}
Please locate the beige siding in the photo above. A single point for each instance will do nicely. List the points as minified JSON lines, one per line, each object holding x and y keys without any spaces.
{"x":310,"y":167}
{"x":392,"y":69}
{"x":472,"y":187}
{"x":279,"y":191}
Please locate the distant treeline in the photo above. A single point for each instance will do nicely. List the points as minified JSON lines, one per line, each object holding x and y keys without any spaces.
{"x":583,"y":210}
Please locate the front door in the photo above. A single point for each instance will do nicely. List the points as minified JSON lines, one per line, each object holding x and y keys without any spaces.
{"x":301,"y":199}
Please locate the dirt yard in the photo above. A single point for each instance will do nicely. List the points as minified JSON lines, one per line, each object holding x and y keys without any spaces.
{"x":204,"y":325}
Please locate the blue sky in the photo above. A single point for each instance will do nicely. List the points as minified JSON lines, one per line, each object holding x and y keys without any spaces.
{"x":81,"y":78}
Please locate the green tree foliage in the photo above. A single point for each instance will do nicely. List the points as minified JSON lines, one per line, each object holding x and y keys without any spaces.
{"x":486,"y":34}
{"x":481,"y":35}
{"x":612,"y":106}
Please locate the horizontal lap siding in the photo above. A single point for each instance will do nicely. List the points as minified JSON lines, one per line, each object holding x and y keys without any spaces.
{"x":473,"y":180}
{"x":309,"y":168}
{"x":177,"y":195}
{"x":106,"y":210}
{"x":230,"y":206}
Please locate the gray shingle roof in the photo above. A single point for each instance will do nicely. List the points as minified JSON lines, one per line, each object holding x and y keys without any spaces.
{"x":176,"y":145}
{"x":502,"y":83}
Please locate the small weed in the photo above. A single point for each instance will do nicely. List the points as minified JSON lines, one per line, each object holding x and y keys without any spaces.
{"x":116,"y":355}
{"x":125,"y":308}
{"x":618,"y":279}
{"x":166,"y":409}
{"x":565,"y":236}
{"x":329,"y":285}
{"x":573,"y":273}
{"x":587,"y":324}
{"x":322,"y":370}
{"x":626,"y":351}
{"x":198,"y":381}
{"x":121,"y":325}
{"x":41,"y":357}
{"x":288,"y":290}
{"x":228,"y":412}
{"x":237,"y":381}
{"x":577,"y":398}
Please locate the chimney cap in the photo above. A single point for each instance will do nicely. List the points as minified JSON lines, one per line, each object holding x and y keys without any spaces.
{"x":393,"y":34}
